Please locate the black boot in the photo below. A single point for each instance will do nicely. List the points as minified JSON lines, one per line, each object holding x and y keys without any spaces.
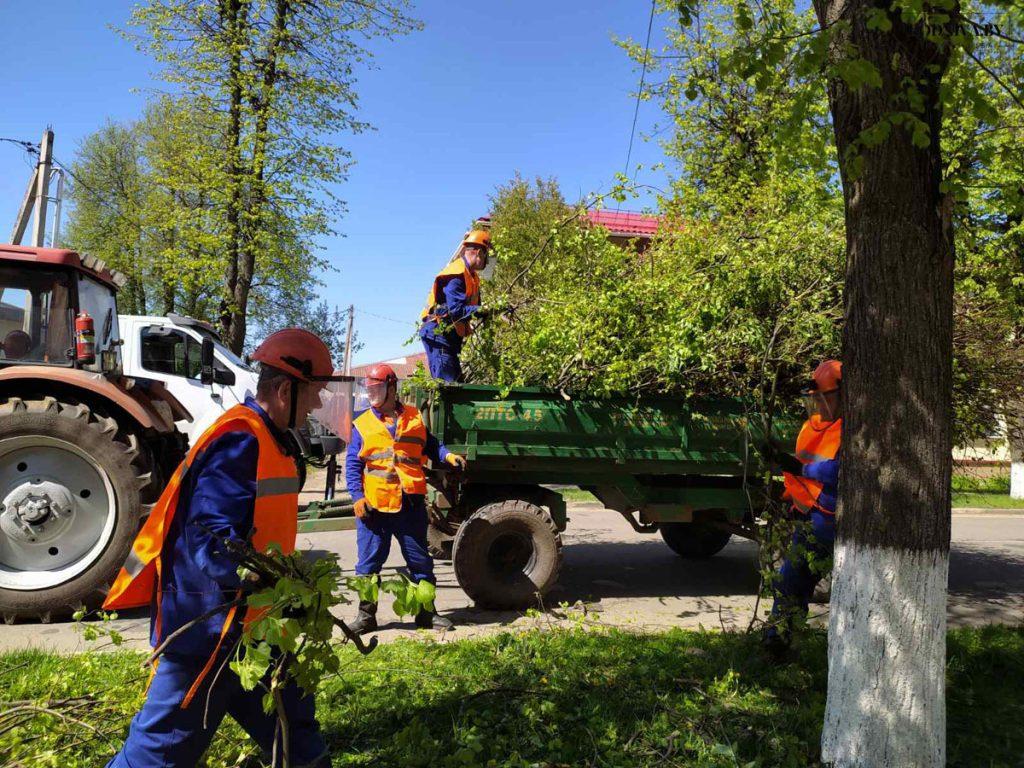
{"x":430,"y":620}
{"x":366,"y":619}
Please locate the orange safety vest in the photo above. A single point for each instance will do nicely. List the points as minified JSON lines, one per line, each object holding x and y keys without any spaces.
{"x":456,"y":268}
{"x":818,"y":441}
{"x":275,"y":521}
{"x":392,"y":465}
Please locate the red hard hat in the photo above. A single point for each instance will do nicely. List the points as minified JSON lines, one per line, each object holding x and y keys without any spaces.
{"x":828,"y":376}
{"x":382,"y":372}
{"x":298,"y":353}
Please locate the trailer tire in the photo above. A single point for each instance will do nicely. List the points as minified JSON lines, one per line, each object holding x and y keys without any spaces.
{"x":507,"y":554}
{"x":38,"y":436}
{"x":439,"y":543}
{"x":694,"y":540}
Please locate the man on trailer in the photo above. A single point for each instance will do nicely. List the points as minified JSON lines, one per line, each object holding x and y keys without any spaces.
{"x":239,"y":481}
{"x":812,"y":485}
{"x":453,"y":302}
{"x":384,"y":474}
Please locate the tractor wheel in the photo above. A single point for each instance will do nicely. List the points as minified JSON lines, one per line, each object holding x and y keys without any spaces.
{"x":507,"y":554}
{"x":694,"y":540}
{"x":70,"y":483}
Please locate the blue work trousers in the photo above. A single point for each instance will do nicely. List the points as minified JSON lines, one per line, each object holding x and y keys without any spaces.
{"x":409,"y":526}
{"x":442,"y":359}
{"x":163,"y":735}
{"x":813,"y":540}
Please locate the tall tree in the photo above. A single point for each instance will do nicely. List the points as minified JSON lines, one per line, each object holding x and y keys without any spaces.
{"x":274,"y":80}
{"x":884,"y":67}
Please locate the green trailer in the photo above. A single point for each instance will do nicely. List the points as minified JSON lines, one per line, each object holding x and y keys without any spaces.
{"x":686,"y":469}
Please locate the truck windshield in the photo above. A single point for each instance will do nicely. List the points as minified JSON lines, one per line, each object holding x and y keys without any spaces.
{"x":35,"y":317}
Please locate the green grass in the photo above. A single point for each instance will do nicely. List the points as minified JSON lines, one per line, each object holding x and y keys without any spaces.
{"x":968,"y":491}
{"x":986,"y":500}
{"x":559,"y":698}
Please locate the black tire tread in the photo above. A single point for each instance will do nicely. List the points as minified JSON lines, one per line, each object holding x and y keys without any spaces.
{"x":482,"y":593}
{"x":131,"y":478}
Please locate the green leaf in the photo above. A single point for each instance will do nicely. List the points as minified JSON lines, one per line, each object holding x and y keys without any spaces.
{"x":878,"y":18}
{"x":857,"y":73}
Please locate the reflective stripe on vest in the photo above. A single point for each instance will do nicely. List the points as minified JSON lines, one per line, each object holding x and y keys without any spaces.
{"x":275,"y":521}
{"x":456,"y":268}
{"x":818,"y":441}
{"x":392,"y":465}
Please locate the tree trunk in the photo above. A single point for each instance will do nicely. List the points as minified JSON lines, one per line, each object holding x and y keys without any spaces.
{"x":234,"y":18}
{"x":887,"y":631}
{"x":1015,"y":439}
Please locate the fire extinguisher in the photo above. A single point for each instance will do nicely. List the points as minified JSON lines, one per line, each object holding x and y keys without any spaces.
{"x":85,"y":339}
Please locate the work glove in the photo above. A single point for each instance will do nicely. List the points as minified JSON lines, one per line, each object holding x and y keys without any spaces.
{"x":456,"y":461}
{"x":777,"y":457}
{"x":362,"y":508}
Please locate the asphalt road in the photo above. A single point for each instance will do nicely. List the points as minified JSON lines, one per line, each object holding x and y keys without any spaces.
{"x":633,"y":580}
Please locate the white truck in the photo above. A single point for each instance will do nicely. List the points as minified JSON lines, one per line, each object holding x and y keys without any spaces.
{"x":171,"y":350}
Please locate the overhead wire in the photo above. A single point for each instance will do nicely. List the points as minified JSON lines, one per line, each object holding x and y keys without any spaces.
{"x":640,"y":89}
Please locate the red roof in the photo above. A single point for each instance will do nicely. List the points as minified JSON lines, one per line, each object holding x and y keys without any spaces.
{"x":625,"y":223}
{"x":404,"y":366}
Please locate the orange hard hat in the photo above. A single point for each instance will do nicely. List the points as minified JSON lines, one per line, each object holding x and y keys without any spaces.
{"x":297,"y":352}
{"x":382,"y":372}
{"x":479,"y":237}
{"x":827,"y":376}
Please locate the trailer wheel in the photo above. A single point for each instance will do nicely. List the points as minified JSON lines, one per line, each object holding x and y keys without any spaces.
{"x":70,"y":483}
{"x":439,"y":543}
{"x":507,"y":553}
{"x":696,"y":540}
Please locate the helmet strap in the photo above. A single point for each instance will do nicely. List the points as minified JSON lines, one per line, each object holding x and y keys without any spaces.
{"x":294,"y":405}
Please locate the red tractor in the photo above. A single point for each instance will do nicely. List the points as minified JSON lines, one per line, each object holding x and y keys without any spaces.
{"x":83,"y":450}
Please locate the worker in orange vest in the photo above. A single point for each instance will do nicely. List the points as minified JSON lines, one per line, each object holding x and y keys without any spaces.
{"x":239,"y":481}
{"x":812,"y":486}
{"x":384,"y":473}
{"x":452,"y":304}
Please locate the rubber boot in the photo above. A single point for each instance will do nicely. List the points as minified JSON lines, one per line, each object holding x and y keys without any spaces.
{"x":366,"y":619}
{"x":431,"y":620}
{"x":776,"y":644}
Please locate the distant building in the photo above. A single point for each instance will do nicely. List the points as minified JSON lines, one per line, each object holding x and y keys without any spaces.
{"x":626,"y":226}
{"x":623,"y":226}
{"x":404,"y":366}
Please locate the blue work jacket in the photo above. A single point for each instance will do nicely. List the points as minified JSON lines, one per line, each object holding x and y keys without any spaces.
{"x":827,"y":473}
{"x":218,"y":492}
{"x":458,"y":309}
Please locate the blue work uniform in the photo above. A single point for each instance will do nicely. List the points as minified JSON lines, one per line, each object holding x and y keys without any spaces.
{"x":408,"y":525}
{"x":219,"y":493}
{"x":443,"y":349}
{"x":813,"y":540}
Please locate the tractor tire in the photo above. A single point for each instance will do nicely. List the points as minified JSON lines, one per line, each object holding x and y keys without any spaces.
{"x":694,"y":540}
{"x":507,"y":554}
{"x":439,"y":543}
{"x":71,"y":488}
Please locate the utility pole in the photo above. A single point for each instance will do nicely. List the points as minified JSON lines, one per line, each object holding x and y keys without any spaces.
{"x":42,"y":188}
{"x":346,"y":367}
{"x":37,"y":194}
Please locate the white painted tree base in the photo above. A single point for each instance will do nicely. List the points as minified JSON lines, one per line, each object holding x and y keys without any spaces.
{"x":887,"y":659}
{"x":1017,"y":479}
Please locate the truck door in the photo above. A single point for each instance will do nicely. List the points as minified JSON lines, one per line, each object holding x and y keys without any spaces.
{"x":174,"y":356}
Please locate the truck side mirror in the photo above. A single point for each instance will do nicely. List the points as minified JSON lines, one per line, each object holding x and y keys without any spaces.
{"x":206,"y":362}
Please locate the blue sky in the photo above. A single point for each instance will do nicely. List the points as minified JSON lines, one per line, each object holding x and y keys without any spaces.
{"x":486,"y":89}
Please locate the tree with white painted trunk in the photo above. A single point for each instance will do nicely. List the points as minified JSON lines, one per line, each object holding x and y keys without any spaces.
{"x":918,"y":93}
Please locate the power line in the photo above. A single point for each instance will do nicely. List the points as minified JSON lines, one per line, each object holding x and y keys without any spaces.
{"x":640,"y":90}
{"x":28,"y":146}
{"x":384,"y":317}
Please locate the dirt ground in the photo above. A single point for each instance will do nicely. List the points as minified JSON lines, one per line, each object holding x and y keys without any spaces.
{"x":619,"y":577}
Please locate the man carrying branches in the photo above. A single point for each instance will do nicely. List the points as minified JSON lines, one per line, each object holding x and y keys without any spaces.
{"x":239,"y":483}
